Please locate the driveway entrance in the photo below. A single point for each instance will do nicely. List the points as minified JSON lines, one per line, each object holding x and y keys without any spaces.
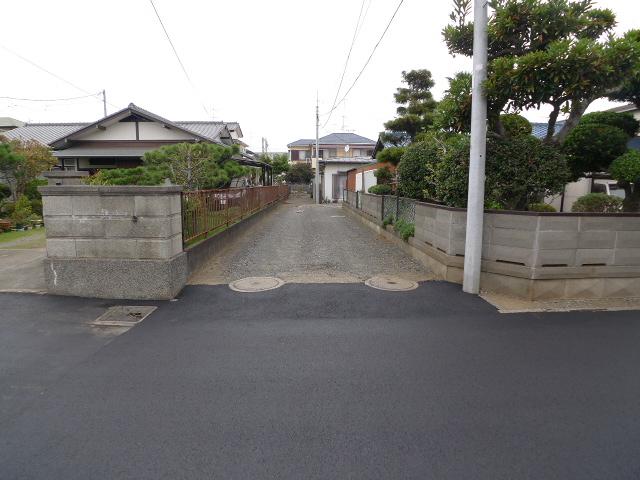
{"x":301,"y":242}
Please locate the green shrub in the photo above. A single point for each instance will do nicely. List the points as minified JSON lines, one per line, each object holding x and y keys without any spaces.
{"x":388,"y":220}
{"x":384,"y":175}
{"x":7,"y":208}
{"x":391,"y":155}
{"x":449,"y":176}
{"x":626,"y":167}
{"x":624,"y":121}
{"x":22,"y":212}
{"x":405,"y":229}
{"x":36,"y":206}
{"x":31,"y":188}
{"x":591,"y":147}
{"x":128,"y":176}
{"x":383,"y":189}
{"x":515,"y":125}
{"x":597,"y":203}
{"x":5,"y":191}
{"x":416,"y":165}
{"x":541,"y":207}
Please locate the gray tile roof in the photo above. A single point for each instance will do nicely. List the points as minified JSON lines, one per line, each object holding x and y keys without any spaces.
{"x":302,"y":142}
{"x":334,"y":139}
{"x":540,"y":129}
{"x":209,"y":130}
{"x":43,"y":132}
{"x":346,"y":139}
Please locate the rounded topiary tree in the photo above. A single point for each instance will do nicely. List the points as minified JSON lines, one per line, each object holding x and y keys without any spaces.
{"x":515,"y":125}
{"x":626,"y":170}
{"x":591,"y":147}
{"x":597,"y":203}
{"x":391,"y":155}
{"x":624,"y":121}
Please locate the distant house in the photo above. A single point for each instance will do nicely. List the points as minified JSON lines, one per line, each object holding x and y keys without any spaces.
{"x":121,"y":139}
{"x":338,"y":153}
{"x":8,"y":123}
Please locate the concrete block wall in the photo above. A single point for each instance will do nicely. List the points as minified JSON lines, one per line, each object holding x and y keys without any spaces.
{"x":533,"y":255}
{"x":117,"y":229}
{"x":371,"y":204}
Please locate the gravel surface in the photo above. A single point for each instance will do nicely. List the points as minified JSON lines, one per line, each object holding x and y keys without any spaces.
{"x":301,"y":242}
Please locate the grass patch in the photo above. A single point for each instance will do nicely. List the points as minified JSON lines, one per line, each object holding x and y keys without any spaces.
{"x":34,"y":238}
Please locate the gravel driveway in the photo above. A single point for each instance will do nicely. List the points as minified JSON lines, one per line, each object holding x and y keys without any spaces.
{"x":301,"y":242}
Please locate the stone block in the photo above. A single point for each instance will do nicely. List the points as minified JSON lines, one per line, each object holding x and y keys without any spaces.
{"x":459,"y":218}
{"x":157,"y":249}
{"x":53,"y":205}
{"x":547,"y":289}
{"x":556,"y":258}
{"x":102,"y":205}
{"x":143,"y":227}
{"x":558,"y":222}
{"x":152,"y":205}
{"x":61,"y":247}
{"x":59,"y":226}
{"x":621,"y":287}
{"x":106,"y":248}
{"x":515,"y":222}
{"x":594,"y":256}
{"x":519,"y":287}
{"x":117,"y":278}
{"x":509,"y":237}
{"x":512,"y":254}
{"x":176,"y":244}
{"x":458,"y":232}
{"x":557,"y":239}
{"x":627,"y":256}
{"x":596,"y":239}
{"x":628,"y":239}
{"x":89,"y":227}
{"x":610,"y":223}
{"x":584,"y":287}
{"x":176,"y":204}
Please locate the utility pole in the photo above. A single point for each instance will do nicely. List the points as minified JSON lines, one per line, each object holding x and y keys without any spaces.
{"x":475,"y":201}
{"x":317,"y":177}
{"x":104,"y":102}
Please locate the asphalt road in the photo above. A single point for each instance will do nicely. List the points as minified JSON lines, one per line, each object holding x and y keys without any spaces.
{"x":301,"y":242}
{"x":326,"y":381}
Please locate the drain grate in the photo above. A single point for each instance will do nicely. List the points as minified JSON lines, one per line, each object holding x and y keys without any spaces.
{"x":256,"y":284}
{"x":123,"y":316}
{"x":391,"y":283}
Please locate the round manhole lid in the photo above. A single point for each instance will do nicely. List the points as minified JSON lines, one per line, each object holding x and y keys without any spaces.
{"x":256,"y":284}
{"x":391,"y":283}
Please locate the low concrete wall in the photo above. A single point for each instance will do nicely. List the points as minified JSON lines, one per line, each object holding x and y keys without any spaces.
{"x":114,"y":242}
{"x":528,"y":254}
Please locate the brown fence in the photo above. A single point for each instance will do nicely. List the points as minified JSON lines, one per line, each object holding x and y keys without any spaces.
{"x":205,"y":211}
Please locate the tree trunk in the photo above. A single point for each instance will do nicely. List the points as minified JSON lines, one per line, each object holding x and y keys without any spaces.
{"x":631,"y":197}
{"x":577,"y":110}
{"x":551,"y":127}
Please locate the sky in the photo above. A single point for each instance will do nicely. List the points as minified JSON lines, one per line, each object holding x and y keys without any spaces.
{"x":257,"y":62}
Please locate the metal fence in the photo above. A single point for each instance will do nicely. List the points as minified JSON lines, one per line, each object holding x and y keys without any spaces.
{"x":383,"y":206}
{"x":205,"y":211}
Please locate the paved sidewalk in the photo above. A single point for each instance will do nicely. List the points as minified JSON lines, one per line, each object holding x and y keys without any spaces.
{"x":22,"y":270}
{"x":301,"y":242}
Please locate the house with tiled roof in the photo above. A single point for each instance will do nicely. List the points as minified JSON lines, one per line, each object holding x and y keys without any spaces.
{"x":338,"y":153}
{"x":121,"y":139}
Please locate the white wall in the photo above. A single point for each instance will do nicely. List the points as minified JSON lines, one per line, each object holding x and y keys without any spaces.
{"x":117,"y":131}
{"x":155,"y":131}
{"x":572,"y":192}
{"x":369,"y":180}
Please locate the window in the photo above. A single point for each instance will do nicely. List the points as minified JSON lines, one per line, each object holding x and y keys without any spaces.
{"x":303,"y":154}
{"x":333,"y":152}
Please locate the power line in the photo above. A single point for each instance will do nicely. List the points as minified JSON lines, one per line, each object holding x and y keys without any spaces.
{"x":368,"y":59}
{"x":51,"y":99}
{"x":175,"y":52}
{"x":49,"y":72}
{"x":344,"y":70}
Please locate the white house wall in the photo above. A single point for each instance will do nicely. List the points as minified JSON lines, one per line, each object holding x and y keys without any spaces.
{"x":117,"y":131}
{"x":155,"y":131}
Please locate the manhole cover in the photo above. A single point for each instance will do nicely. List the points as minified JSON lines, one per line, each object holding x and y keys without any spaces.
{"x":123,"y":316}
{"x":256,"y":284}
{"x":391,"y":283}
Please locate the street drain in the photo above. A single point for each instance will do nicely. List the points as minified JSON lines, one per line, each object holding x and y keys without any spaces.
{"x":256,"y":284}
{"x":123,"y":316}
{"x":391,"y":283}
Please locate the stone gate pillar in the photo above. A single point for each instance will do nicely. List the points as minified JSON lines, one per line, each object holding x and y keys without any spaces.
{"x":114,"y":241}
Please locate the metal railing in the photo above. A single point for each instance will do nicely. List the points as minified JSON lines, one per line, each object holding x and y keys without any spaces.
{"x":206,"y":211}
